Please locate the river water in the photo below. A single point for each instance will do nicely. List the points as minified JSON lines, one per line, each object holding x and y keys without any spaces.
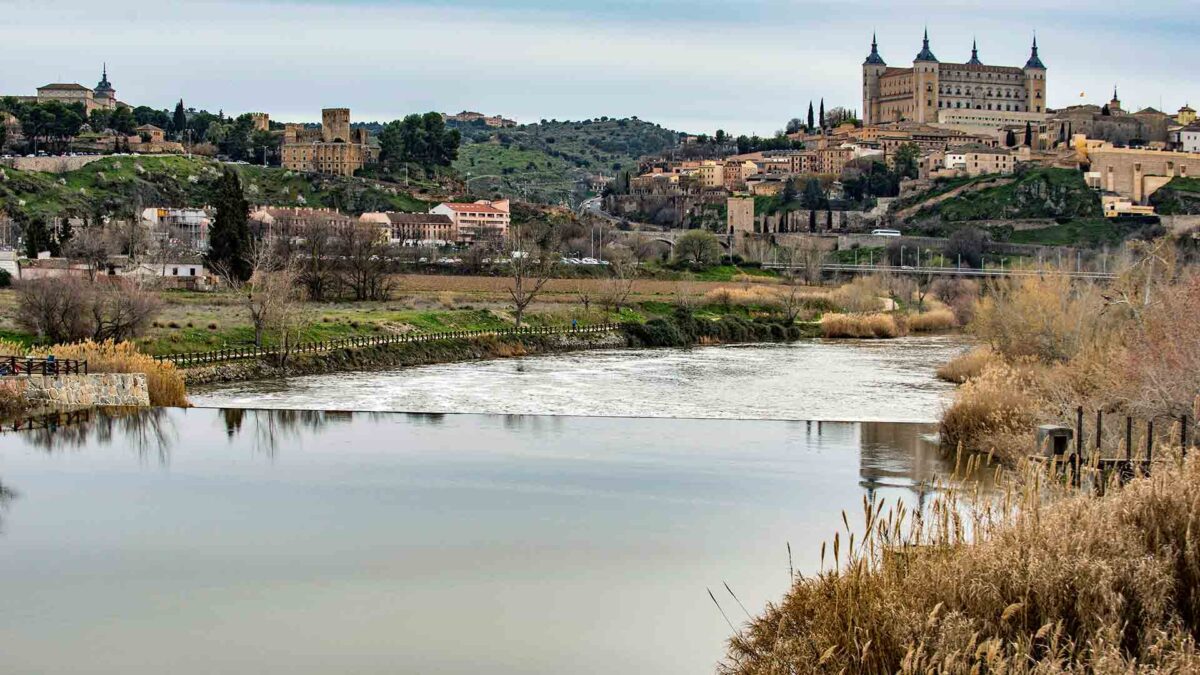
{"x":303,"y":541}
{"x":882,"y":380}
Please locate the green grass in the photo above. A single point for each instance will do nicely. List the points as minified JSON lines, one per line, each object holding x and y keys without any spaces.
{"x":1084,"y":231}
{"x":113,"y":183}
{"x":1038,"y":193}
{"x":547,"y":159}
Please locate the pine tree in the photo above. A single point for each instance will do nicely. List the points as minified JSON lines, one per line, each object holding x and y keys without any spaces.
{"x":229,"y":238}
{"x":179,"y":121}
{"x":812,"y":122}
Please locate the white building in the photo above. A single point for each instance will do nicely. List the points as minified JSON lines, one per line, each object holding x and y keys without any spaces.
{"x":186,"y":227}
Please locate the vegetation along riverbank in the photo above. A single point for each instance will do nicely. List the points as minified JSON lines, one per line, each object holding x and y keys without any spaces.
{"x":1057,"y":569}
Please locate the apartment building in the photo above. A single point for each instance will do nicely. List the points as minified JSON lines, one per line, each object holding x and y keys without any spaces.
{"x":414,"y":229}
{"x":477,"y":221}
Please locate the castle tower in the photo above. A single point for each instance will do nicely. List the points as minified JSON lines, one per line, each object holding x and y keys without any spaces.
{"x":873,"y":69}
{"x":925,"y":84}
{"x":1035,"y":81}
{"x":1115,"y":104}
{"x":104,"y":94}
{"x":335,"y":125}
{"x":974,"y":55}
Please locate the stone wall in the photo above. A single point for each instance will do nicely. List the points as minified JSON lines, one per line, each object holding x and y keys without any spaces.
{"x":117,"y":389}
{"x":50,"y":164}
{"x":1180,"y":224}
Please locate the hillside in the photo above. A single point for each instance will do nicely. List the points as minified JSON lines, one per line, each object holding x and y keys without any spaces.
{"x":1037,"y":193}
{"x":546,"y":161}
{"x":1180,"y":197}
{"x":115,"y":184}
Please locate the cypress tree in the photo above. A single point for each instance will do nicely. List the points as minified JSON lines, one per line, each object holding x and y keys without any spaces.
{"x":179,"y":121}
{"x":1028,"y":134}
{"x":822,"y":113}
{"x":812,"y":122}
{"x":229,"y":238}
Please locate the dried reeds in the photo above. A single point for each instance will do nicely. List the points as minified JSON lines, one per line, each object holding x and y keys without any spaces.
{"x":863,"y":326}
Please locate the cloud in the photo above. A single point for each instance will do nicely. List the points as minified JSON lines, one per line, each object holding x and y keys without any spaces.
{"x":697,"y":65}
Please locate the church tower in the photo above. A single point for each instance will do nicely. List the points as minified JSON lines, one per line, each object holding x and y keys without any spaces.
{"x":1035,"y":81}
{"x":104,"y":94}
{"x":873,"y":69}
{"x":925,"y":84}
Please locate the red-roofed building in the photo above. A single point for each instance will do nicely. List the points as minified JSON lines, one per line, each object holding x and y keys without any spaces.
{"x":477,"y":221}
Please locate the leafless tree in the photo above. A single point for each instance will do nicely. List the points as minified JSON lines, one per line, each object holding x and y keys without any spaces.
{"x":642,"y":248}
{"x":91,"y":247}
{"x":365,"y":261}
{"x":270,"y":292}
{"x":615,"y":290}
{"x":584,"y":293}
{"x":71,"y":309}
{"x":315,"y":255}
{"x":533,"y":260}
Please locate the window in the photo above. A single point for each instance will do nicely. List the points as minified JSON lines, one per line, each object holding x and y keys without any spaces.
{"x":174,"y":271}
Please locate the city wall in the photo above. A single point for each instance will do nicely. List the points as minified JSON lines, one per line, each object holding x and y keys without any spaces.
{"x":49,"y":164}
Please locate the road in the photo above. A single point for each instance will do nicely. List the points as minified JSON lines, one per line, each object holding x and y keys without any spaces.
{"x":947,"y":271}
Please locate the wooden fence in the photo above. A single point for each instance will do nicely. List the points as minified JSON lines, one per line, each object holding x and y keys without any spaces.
{"x":187,"y":360}
{"x":25,"y":365}
{"x":1130,"y":452}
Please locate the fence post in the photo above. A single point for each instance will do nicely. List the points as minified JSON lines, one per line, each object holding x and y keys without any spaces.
{"x":1149,"y":442}
{"x":1128,"y":438}
{"x":1183,"y":434}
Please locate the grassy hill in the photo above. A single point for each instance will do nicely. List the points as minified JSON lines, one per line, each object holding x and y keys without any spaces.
{"x":547,"y":160}
{"x":115,"y":184}
{"x":1037,"y":193}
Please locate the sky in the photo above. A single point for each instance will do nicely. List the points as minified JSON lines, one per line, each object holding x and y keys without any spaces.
{"x":694,"y":65}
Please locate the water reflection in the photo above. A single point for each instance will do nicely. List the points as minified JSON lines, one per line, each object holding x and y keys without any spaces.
{"x":452,"y":543}
{"x":149,"y":432}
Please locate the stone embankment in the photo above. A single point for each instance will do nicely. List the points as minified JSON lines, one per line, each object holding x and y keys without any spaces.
{"x":404,"y":354}
{"x":107,"y":389}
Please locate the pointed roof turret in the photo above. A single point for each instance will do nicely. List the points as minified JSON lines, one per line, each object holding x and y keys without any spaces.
{"x":926,"y":54}
{"x":1034,"y":60}
{"x":874,"y":59}
{"x":104,"y":87}
{"x":974,"y":55}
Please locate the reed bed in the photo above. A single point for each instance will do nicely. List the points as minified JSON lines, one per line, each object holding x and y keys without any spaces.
{"x":863,"y":326}
{"x":1038,"y":579}
{"x":932,"y":321}
{"x":966,"y":366}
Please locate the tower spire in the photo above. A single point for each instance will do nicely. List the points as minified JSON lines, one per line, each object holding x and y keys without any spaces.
{"x":974,"y":54}
{"x":874,"y":59}
{"x":926,"y":54}
{"x":1034,"y":60}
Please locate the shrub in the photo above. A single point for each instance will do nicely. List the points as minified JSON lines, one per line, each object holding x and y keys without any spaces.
{"x":1047,"y":318}
{"x":864,"y":294}
{"x":212,"y":326}
{"x":656,"y":333}
{"x":12,"y":399}
{"x":73,"y":309}
{"x":928,"y":322}
{"x":966,"y":366}
{"x":994,"y":412}
{"x":859,"y":326}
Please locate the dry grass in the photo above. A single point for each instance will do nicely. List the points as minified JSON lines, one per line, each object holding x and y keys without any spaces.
{"x":753,"y":296}
{"x":1013,"y":585}
{"x":164,"y":382}
{"x":12,"y":399}
{"x":967,"y":366}
{"x":932,"y":321}
{"x":995,"y":412}
{"x":864,"y":294}
{"x":860,"y":326}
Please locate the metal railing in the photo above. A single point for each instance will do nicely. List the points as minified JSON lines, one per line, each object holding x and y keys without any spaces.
{"x":27,"y":365}
{"x":215,"y":356}
{"x":948,"y":271}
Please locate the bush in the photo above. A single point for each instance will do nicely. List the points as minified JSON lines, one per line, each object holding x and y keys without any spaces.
{"x":12,"y":399}
{"x":931,"y":321}
{"x":967,"y":366}
{"x":864,"y":294}
{"x":860,"y":326}
{"x":994,"y":412}
{"x":698,"y":249}
{"x":73,"y":309}
{"x":656,"y":333}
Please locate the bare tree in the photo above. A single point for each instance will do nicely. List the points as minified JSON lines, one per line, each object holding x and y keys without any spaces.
{"x":365,"y":261}
{"x":533,"y":260}
{"x":615,"y":290}
{"x":642,"y":248}
{"x":70,"y":309}
{"x":269,"y":293}
{"x":583,"y":292}
{"x":92,"y":247}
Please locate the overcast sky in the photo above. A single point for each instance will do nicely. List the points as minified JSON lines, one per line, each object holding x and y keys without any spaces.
{"x":696,"y":65}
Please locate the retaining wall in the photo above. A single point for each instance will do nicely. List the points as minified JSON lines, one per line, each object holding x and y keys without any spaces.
{"x":116,"y":389}
{"x":50,"y":164}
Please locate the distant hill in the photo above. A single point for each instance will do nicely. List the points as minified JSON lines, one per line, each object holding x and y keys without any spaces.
{"x":116,"y":184}
{"x":547,"y":161}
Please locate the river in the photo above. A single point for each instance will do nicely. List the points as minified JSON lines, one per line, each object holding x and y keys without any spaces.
{"x":881,"y":380}
{"x":308,"y":541}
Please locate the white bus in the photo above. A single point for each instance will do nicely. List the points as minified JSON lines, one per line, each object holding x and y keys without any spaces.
{"x":885,"y":233}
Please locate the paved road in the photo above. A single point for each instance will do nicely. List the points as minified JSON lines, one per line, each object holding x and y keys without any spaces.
{"x":948,"y":271}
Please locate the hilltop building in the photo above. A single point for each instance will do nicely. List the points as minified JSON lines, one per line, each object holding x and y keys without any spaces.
{"x":103,"y":97}
{"x":930,"y":89}
{"x":333,"y":149}
{"x":470,"y":117}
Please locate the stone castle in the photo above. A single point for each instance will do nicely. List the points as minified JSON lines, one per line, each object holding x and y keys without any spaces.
{"x":930,"y":88}
{"x":335,"y":148}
